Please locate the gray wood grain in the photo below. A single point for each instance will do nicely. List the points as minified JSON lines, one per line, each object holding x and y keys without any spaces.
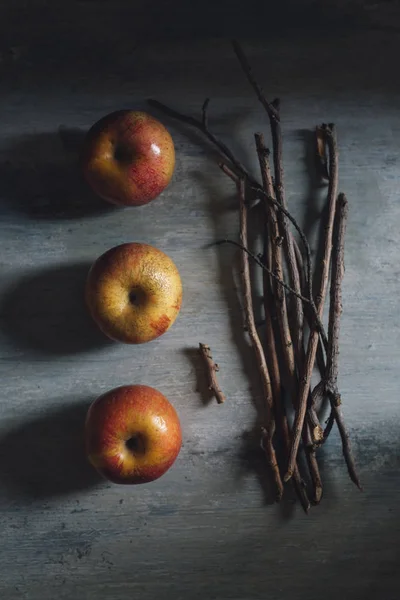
{"x":207,"y":529}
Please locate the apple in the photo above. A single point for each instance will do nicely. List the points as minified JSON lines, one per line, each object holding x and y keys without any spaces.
{"x":128,"y":157}
{"x":134,"y":293}
{"x":133,"y":434}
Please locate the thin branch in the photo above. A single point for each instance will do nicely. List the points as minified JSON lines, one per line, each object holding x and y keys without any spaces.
{"x":274,"y":203}
{"x":269,"y":253}
{"x":314,"y":430}
{"x":309,"y":277}
{"x":272,"y":109}
{"x":240,"y":168}
{"x":212,"y":369}
{"x":300,"y":264}
{"x":332,"y":362}
{"x":335,"y":308}
{"x":317,"y":432}
{"x":256,"y":343}
{"x":297,"y":479}
{"x":203,"y":127}
{"x":260,"y":264}
{"x":312,"y":463}
{"x":294,"y":276}
{"x":276,"y":303}
{"x":276,"y":261}
{"x":305,"y":379}
{"x":315,"y":474}
{"x":235,"y":178}
{"x":273,"y":112}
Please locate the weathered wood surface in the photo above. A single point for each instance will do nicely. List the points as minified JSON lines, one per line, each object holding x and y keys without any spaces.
{"x":207,"y":528}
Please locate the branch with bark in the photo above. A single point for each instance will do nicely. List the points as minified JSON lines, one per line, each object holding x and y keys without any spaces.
{"x":212,"y":369}
{"x":287,"y":359}
{"x":269,"y":428}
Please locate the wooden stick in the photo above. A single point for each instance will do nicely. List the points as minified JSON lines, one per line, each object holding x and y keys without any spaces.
{"x":277,"y":303}
{"x":212,"y":369}
{"x":313,"y":313}
{"x":273,"y":111}
{"x":314,"y":472}
{"x":332,"y":362}
{"x":256,"y":343}
{"x":285,"y":345}
{"x":276,"y":262}
{"x":270,"y":232}
{"x":241,"y":171}
{"x":261,"y":264}
{"x":305,"y":379}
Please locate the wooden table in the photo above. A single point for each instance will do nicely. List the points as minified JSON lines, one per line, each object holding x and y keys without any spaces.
{"x":207,"y":529}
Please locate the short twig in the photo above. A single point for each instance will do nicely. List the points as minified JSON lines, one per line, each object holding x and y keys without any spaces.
{"x":305,"y":379}
{"x":256,"y":343}
{"x":212,"y":369}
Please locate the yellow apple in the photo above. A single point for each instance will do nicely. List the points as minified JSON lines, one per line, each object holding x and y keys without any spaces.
{"x":134,"y":293}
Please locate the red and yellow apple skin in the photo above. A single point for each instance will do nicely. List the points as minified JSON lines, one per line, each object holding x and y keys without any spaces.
{"x":133,"y":434}
{"x":134,"y":293}
{"x":128,"y":158}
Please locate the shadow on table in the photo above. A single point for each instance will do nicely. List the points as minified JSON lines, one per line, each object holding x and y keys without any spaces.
{"x":45,"y":311}
{"x":40,"y":176}
{"x":45,"y":456}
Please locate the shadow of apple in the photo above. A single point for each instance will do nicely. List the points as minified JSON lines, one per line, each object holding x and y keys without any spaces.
{"x":45,"y":456}
{"x":46,"y":312}
{"x":40,"y":176}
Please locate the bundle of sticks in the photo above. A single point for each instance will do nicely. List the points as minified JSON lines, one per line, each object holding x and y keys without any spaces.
{"x":295,"y":340}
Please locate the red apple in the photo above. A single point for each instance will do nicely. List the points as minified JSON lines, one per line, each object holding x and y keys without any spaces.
{"x":133,"y":434}
{"x":134,"y":293}
{"x":128,"y":157}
